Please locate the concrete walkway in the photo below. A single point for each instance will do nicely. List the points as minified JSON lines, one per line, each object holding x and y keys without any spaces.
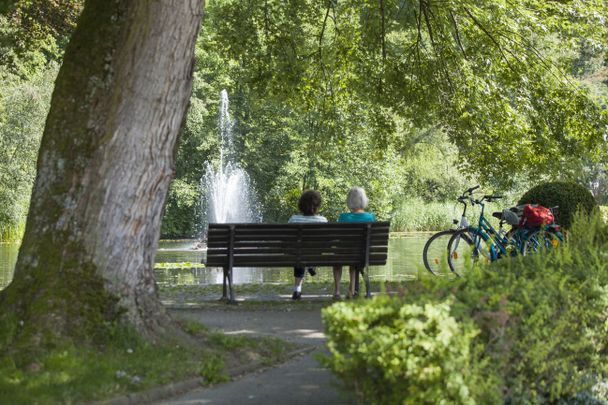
{"x":301,"y":380}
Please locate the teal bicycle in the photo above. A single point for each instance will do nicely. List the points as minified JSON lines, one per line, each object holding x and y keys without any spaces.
{"x":485,"y":244}
{"x":434,"y":253}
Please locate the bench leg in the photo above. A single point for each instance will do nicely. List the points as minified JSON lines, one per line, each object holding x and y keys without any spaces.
{"x":368,"y":290}
{"x":231,"y":300}
{"x":224,"y":286}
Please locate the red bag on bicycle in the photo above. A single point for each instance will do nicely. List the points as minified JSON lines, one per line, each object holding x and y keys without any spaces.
{"x":537,"y":215}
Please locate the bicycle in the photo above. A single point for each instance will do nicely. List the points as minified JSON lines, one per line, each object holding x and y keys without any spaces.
{"x":435,"y":252}
{"x":484,"y":242}
{"x":545,"y":237}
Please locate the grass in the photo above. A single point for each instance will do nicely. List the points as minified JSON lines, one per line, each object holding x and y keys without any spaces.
{"x":604,"y":211}
{"x":128,"y":364}
{"x":266,"y":295}
{"x":418,"y":216}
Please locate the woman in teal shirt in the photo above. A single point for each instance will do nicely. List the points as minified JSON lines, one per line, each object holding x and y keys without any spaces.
{"x":356,"y":200}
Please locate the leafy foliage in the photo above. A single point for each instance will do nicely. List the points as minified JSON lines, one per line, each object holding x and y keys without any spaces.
{"x":540,"y":321}
{"x":568,"y":197}
{"x":35,"y":32}
{"x":23,"y":108}
{"x":392,"y":353}
{"x":488,"y":73}
{"x":393,"y":96}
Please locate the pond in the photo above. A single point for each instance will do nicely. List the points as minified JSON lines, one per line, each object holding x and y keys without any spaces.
{"x":179,"y":264}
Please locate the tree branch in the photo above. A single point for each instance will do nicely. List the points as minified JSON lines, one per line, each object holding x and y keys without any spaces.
{"x":457,"y":35}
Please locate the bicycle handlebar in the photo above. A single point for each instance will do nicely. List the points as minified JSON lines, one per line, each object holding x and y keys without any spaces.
{"x":466,"y":196}
{"x":470,"y":190}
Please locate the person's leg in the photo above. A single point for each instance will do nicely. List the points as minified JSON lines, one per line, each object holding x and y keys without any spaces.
{"x":352,"y":273}
{"x":337,"y":279}
{"x":298,"y":275}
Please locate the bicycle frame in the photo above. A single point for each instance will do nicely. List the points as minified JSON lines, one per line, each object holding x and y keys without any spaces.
{"x":465,"y":199}
{"x":498,"y":243}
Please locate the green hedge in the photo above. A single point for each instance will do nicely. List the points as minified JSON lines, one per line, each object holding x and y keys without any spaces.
{"x":391,"y":353}
{"x":567,"y":195}
{"x":526,"y":330}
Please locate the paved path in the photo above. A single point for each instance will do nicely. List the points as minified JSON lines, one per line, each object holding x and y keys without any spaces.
{"x":299,"y":381}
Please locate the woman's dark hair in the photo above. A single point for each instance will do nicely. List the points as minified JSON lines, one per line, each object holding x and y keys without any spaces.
{"x":309,"y":203}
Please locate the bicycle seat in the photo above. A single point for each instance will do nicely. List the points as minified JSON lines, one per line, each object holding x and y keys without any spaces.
{"x":510,"y":217}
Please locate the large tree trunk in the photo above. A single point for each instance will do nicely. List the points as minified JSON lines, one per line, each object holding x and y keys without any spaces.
{"x":104,"y":169}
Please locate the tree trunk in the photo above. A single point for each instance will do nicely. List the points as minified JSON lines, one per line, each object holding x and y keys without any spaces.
{"x":104,"y":168}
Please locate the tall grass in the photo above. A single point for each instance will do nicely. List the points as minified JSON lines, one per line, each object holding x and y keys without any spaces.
{"x":415,"y":215}
{"x":12,"y":232}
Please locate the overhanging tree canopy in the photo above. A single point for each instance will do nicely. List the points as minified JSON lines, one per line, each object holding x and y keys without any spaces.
{"x":492,"y":74}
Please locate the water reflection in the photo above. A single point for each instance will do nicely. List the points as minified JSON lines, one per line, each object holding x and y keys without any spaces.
{"x":404,"y":262}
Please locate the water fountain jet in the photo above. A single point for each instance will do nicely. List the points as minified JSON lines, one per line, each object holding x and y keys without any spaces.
{"x":227,"y":192}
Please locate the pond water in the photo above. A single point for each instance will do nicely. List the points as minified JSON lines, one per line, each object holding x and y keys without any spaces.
{"x":179,"y":261}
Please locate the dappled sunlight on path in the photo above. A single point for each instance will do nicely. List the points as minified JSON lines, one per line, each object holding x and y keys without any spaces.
{"x":301,"y":380}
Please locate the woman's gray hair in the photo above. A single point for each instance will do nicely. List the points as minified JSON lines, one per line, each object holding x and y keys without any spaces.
{"x":356,"y":199}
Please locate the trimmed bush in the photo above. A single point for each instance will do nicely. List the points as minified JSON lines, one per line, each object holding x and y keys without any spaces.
{"x":530,"y":329}
{"x":394,"y":353}
{"x":569,"y":196}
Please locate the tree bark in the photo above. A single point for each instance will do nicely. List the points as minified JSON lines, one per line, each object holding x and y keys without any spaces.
{"x":104,"y":167}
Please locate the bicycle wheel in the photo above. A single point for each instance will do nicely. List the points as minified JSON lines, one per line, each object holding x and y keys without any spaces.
{"x":468,"y":246}
{"x":435,"y":253}
{"x":542,"y":241}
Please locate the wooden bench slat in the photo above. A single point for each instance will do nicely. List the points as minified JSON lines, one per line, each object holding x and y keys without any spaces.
{"x":303,"y":248}
{"x":289,"y":261}
{"x":337,"y":241}
{"x":287,"y":225}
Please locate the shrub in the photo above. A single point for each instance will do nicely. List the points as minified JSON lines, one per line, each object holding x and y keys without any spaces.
{"x":393,"y":353}
{"x":569,"y":196}
{"x":534,"y":329}
{"x":181,"y":219}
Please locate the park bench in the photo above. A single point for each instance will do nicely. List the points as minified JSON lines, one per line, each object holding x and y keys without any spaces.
{"x":361,"y":244}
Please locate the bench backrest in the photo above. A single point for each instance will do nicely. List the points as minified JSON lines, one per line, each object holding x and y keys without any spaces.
{"x":286,"y":245}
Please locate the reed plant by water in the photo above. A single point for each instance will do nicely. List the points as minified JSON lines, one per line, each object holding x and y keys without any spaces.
{"x":416,"y":215}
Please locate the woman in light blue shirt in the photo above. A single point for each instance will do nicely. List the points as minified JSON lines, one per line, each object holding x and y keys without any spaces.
{"x":356,"y":200}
